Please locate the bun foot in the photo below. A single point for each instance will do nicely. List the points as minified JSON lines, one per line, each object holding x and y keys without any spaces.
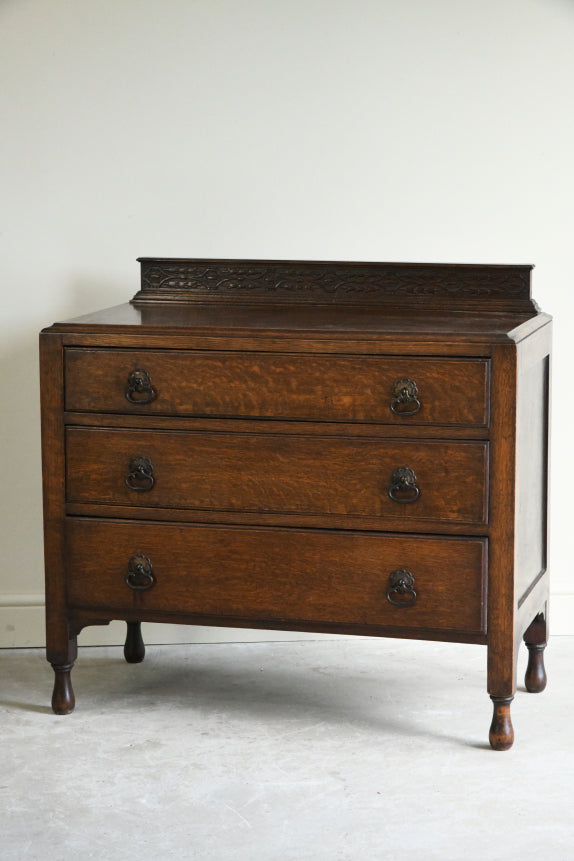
{"x":501,"y":735}
{"x":535,"y":678}
{"x":63,"y":699}
{"x":134,"y":648}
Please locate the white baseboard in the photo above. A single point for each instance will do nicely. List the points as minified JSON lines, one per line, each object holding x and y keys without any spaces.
{"x":561,"y":614}
{"x":22,"y":626}
{"x":22,"y":621}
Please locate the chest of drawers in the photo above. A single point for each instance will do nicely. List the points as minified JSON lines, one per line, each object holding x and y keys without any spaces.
{"x":325,"y":447}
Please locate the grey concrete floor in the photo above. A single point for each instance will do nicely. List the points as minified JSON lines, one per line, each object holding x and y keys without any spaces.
{"x":331,"y":750}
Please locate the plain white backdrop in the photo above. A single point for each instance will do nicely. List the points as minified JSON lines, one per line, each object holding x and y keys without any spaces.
{"x":425,"y":130}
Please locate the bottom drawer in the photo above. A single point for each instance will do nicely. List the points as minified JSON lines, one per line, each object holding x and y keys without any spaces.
{"x":277,"y":574}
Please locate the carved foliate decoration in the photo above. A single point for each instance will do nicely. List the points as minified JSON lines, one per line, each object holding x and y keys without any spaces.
{"x":331,"y":282}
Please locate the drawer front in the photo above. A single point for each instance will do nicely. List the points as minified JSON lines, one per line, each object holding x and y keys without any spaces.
{"x":404,"y":390}
{"x":278,"y":574}
{"x":281,"y":473}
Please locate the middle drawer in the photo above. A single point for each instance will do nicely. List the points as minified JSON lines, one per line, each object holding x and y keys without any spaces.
{"x":278,"y":473}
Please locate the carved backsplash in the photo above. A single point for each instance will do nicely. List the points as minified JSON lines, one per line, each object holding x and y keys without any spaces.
{"x":507,"y":287}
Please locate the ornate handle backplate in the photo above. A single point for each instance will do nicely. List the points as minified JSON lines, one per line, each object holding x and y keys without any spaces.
{"x":401,"y":588}
{"x":140,"y":573}
{"x":404,"y":485}
{"x":404,"y":401}
{"x":140,"y":476}
{"x":139,"y":388}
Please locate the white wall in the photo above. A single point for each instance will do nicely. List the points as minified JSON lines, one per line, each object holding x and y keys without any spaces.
{"x":420,"y":130}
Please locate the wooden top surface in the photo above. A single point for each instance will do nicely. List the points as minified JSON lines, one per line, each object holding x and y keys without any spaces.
{"x":218,"y":319}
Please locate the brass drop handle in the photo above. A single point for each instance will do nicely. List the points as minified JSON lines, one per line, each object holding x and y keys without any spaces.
{"x":140,"y":477}
{"x":139,"y":389}
{"x":140,"y":573}
{"x":404,"y":487}
{"x":401,"y":588}
{"x":404,"y":401}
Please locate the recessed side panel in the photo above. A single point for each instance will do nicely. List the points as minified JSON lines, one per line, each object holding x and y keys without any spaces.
{"x":531,"y":465}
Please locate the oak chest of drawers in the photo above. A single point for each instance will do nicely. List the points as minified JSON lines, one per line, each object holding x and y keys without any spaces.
{"x":328,"y":447}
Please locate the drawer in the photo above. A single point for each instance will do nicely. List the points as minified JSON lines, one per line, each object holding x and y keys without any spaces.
{"x":277,"y":574}
{"x":281,"y":473}
{"x":387,"y":390}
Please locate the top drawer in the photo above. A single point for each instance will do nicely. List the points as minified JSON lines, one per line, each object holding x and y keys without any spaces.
{"x":386,"y":390}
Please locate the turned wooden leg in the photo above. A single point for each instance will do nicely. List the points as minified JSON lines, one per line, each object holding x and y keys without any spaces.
{"x":535,"y":639}
{"x":63,"y":699}
{"x":501,"y":733}
{"x":134,"y":648}
{"x":62,"y":653}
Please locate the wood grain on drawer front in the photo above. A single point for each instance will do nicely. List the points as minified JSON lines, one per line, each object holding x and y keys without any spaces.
{"x":279,"y":473}
{"x":257,"y":385}
{"x":274,"y":574}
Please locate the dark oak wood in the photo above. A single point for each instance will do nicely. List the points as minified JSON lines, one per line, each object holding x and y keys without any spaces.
{"x":503,"y":648}
{"x":63,"y":699}
{"x":307,"y":328}
{"x":279,"y":473}
{"x":316,"y":388}
{"x":501,"y":735}
{"x":274,"y":426}
{"x":82,"y":618}
{"x":134,"y":646}
{"x":225,"y":571}
{"x":220,"y":452}
{"x":61,"y":640}
{"x":277,"y":518}
{"x":536,"y":638}
{"x":397,"y":284}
